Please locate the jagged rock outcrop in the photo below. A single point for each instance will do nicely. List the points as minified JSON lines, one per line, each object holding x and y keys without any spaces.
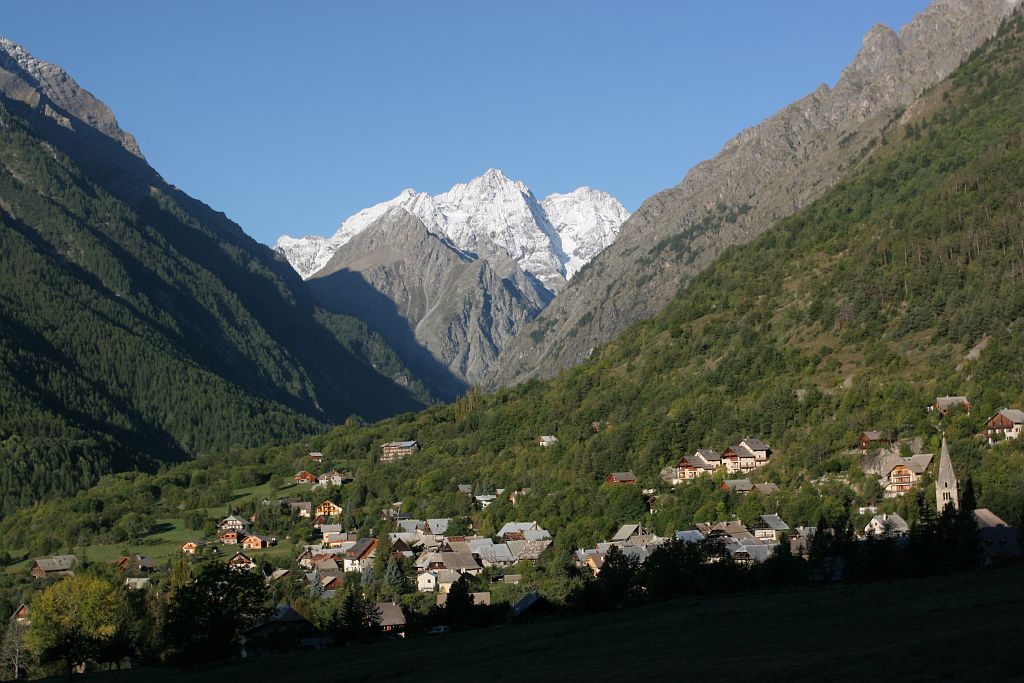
{"x":765,"y":173}
{"x":437,"y":306}
{"x":50,"y":89}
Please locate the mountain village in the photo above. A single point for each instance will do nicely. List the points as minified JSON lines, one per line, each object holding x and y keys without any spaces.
{"x":439,"y":559}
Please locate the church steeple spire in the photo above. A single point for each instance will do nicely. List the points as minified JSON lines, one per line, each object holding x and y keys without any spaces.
{"x":945,"y":484}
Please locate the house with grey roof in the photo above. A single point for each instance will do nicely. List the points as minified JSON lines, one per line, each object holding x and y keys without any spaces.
{"x":1005,"y":424}
{"x":531,"y":606}
{"x":898,"y":474}
{"x":435,"y":527}
{"x":770,"y":527}
{"x":887,"y":525}
{"x":527,"y":551}
{"x":747,"y":455}
{"x":738,"y":485}
{"x":57,"y":565}
{"x":531,"y":531}
{"x":689,"y":536}
{"x":627,"y":532}
{"x":750,"y":553}
{"x":702,"y":461}
{"x":235,"y":523}
{"x":392,"y":618}
{"x":394,"y":451}
{"x":944,"y":404}
{"x":873,"y":438}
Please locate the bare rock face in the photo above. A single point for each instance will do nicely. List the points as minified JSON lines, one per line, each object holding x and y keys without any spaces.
{"x":446,"y":312}
{"x":764,"y":174}
{"x":37,"y":84}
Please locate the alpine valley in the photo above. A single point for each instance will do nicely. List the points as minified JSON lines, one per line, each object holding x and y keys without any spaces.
{"x":785,"y":394}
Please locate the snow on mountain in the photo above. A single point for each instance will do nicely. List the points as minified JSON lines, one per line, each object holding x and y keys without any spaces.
{"x":492,"y":214}
{"x":587,"y":221}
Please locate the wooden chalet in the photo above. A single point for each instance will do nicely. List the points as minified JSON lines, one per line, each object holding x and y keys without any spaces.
{"x":57,"y":565}
{"x":137,"y":563}
{"x":20,"y":616}
{"x":531,"y":606}
{"x":360,"y":554}
{"x":256,"y":542}
{"x":231,"y":537}
{"x":770,"y":527}
{"x":333,"y":478}
{"x":396,"y":450}
{"x":328,"y":508}
{"x":626,"y":477}
{"x":392,"y":618}
{"x":234,"y":522}
{"x":547,"y":440}
{"x":747,"y":455}
{"x":304,"y":477}
{"x":703,"y":461}
{"x":192,"y":547}
{"x":944,"y":404}
{"x":873,"y":439}
{"x":899,"y":475}
{"x":737,"y":485}
{"x":241,"y":562}
{"x":1005,"y":424}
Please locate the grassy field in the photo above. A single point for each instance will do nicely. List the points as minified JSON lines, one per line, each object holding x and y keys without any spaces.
{"x":959,"y":628}
{"x":165,"y":538}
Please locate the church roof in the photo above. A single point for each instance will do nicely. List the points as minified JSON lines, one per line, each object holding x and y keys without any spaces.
{"x":947,"y":478}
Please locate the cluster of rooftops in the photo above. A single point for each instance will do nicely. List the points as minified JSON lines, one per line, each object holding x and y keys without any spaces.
{"x":745,"y":545}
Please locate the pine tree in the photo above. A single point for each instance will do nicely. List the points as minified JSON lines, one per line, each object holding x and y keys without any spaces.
{"x":458,"y":605}
{"x":395,"y":582}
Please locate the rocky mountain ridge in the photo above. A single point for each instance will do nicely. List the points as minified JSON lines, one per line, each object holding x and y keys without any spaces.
{"x":432,"y":302}
{"x":765,"y":173}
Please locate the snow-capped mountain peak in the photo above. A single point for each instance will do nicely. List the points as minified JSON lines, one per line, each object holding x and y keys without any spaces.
{"x":587,"y":220}
{"x":490,"y":215}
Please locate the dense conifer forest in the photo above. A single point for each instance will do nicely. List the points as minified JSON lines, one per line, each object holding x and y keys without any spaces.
{"x":136,"y":331}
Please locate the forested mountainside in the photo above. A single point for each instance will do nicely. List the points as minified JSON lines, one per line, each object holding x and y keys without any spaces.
{"x":139,"y":325}
{"x":766,"y":173}
{"x":900,"y":284}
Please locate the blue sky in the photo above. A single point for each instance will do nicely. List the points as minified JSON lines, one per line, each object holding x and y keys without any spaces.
{"x":291,"y":116}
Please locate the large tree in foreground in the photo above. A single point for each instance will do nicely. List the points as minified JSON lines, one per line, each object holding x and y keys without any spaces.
{"x":75,"y":620}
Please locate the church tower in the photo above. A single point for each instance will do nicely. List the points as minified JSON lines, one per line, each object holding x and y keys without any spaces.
{"x":945,"y":483}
